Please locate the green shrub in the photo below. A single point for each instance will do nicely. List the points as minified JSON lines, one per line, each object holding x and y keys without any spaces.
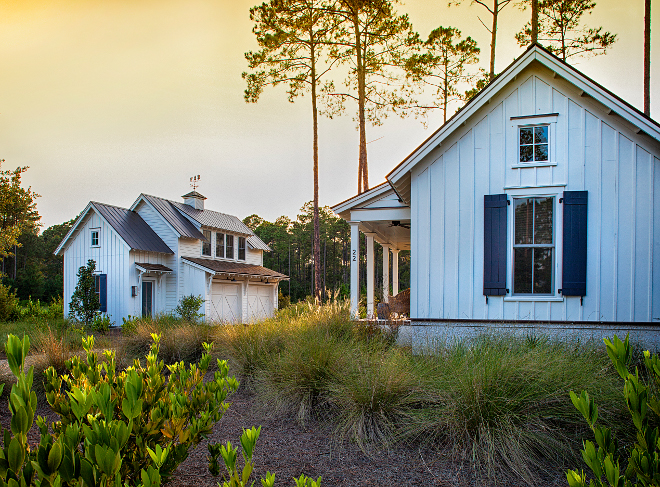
{"x":56,"y":309}
{"x":603,"y":458}
{"x":84,"y":305}
{"x":9,"y":310}
{"x":101,"y":324}
{"x":188,"y":308}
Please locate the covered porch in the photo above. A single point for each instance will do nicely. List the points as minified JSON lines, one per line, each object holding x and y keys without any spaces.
{"x":384,"y":219}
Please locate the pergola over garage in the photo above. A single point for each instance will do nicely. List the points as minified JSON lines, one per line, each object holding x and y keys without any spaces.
{"x":380,"y":214}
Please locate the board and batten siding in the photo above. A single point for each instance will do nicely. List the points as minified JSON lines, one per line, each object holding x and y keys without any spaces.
{"x":171,"y":238}
{"x":111,"y":257}
{"x":593,"y":151}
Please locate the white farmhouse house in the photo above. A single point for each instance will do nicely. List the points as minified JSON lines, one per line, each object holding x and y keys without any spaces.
{"x":538,"y":202}
{"x":150,"y":256}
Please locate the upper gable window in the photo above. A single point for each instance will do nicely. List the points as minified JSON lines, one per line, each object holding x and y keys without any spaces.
{"x":533,"y":143}
{"x":220,"y":244}
{"x":206,"y":246}
{"x":229,"y":247}
{"x":96,"y":234}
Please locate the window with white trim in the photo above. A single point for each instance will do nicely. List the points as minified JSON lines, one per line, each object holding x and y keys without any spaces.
{"x":96,"y":237}
{"x":533,"y":143}
{"x":206,"y":246}
{"x":241,"y":248}
{"x":229,"y":247}
{"x":220,"y":245}
{"x":533,"y":245}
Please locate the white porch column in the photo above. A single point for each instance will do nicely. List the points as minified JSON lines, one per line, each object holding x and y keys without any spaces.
{"x":355,"y":268}
{"x":370,"y":275}
{"x":395,"y":272}
{"x":386,"y":273}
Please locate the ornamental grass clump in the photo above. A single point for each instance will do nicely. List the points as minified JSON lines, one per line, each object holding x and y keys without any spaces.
{"x":372,"y":394}
{"x":502,"y":403}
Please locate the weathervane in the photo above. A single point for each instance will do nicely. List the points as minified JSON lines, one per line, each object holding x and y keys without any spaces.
{"x":194,"y":182}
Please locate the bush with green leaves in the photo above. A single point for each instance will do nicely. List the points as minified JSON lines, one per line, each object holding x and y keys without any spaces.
{"x":604,"y":457}
{"x":188,"y":308}
{"x":101,"y":324}
{"x":84,"y":305}
{"x":9,"y":310}
{"x":116,"y":428}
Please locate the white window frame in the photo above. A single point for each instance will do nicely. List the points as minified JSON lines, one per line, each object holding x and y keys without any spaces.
{"x":234,"y":245}
{"x":238,"y":249}
{"x":201,"y":249}
{"x":224,"y":245}
{"x":98,"y":237}
{"x":550,"y":121}
{"x":555,"y":192}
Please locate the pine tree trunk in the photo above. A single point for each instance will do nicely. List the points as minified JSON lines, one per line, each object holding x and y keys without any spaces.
{"x":363,"y":173}
{"x":535,"y":21}
{"x":317,"y":238}
{"x":647,"y":57}
{"x":493,"y":38}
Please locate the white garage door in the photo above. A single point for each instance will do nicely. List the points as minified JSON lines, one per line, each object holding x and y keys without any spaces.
{"x":260,"y":302}
{"x":225,"y":302}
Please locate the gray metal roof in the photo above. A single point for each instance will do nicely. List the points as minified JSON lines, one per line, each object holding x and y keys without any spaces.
{"x":168,"y":210}
{"x":237,"y":268}
{"x":174,"y":212}
{"x":132,"y":228}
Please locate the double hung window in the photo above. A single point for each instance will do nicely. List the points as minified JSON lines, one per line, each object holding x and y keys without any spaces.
{"x":220,"y":245}
{"x":241,"y":248}
{"x":533,"y":245}
{"x":206,"y":246}
{"x":95,"y":232}
{"x":230,"y":247}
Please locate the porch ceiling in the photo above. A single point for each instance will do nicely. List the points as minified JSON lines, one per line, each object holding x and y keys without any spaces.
{"x":385,"y":233}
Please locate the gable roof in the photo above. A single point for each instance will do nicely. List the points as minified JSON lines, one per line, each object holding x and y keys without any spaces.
{"x":130,"y":227}
{"x":182,"y":225}
{"x":399,"y":177}
{"x":181,"y":217}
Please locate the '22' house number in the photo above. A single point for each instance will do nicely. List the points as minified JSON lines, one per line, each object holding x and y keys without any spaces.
{"x":354,"y":255}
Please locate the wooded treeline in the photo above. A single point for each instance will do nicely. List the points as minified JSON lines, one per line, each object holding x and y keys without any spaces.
{"x":291,"y":244}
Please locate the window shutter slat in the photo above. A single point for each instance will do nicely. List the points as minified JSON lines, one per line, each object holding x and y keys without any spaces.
{"x":103,"y":292}
{"x":495,"y":209}
{"x":574,"y":259}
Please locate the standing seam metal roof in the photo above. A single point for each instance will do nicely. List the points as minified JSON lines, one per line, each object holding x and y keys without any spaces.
{"x":132,"y":228}
{"x":181,"y":224}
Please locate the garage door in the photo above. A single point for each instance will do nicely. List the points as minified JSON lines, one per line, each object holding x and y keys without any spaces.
{"x":260,"y":302}
{"x":225,"y":302}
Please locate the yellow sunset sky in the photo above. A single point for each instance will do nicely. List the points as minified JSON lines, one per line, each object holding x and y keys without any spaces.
{"x":105,"y":99}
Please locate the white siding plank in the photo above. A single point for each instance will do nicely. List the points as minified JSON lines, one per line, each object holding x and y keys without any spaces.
{"x":655,"y":226}
{"x":436,"y":269}
{"x":608,"y":204}
{"x":642,"y":263}
{"x":592,"y":301}
{"x":424,"y":219}
{"x":626,"y":234}
{"x":465,"y":247}
{"x":451,"y":230}
{"x":481,"y":178}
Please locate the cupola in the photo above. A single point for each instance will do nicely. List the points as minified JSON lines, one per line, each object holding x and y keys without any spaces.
{"x":194,"y":199}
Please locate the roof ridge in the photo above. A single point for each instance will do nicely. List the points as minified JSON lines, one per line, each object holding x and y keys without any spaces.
{"x":111,"y":206}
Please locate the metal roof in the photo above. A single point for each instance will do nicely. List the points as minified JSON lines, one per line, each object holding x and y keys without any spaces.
{"x":146,"y":267}
{"x":237,"y":268}
{"x":181,"y":224}
{"x":215,"y":219}
{"x":132,"y":228}
{"x":256,"y":243}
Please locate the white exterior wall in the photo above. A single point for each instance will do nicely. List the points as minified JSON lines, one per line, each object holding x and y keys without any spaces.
{"x":168,"y":287}
{"x":593,"y":151}
{"x":112,"y":257}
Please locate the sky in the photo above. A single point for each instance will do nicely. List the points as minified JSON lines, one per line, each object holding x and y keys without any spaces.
{"x":104,"y":100}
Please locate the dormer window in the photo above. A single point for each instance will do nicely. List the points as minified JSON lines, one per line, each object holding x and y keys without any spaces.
{"x":534,"y":143}
{"x":229,"y":248}
{"x":220,"y":245}
{"x":206,"y":246}
{"x":241,"y":248}
{"x":95,"y":233}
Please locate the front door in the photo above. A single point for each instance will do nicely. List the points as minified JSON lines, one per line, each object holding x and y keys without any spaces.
{"x":147,"y":298}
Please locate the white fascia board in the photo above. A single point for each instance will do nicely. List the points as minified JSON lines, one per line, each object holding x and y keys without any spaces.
{"x":380,"y":214}
{"x":482,"y":98}
{"x":89,"y":207}
{"x":361,"y":198}
{"x":73,"y":228}
{"x":147,"y":202}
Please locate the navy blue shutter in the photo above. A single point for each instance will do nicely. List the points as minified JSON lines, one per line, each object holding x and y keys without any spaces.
{"x":574,"y":256}
{"x":495,"y":244}
{"x":103,"y":292}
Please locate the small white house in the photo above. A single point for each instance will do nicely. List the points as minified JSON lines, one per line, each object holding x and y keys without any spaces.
{"x":537,"y":202}
{"x":150,"y":256}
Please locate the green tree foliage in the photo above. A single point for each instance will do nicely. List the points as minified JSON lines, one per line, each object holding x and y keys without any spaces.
{"x":292,"y":36}
{"x":18,"y":209}
{"x":188,"y":308}
{"x":494,"y":11}
{"x":84,"y":305}
{"x":375,"y":43}
{"x":291,"y":241}
{"x":561,"y":30}
{"x":641,"y":395}
{"x":444,"y":65}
